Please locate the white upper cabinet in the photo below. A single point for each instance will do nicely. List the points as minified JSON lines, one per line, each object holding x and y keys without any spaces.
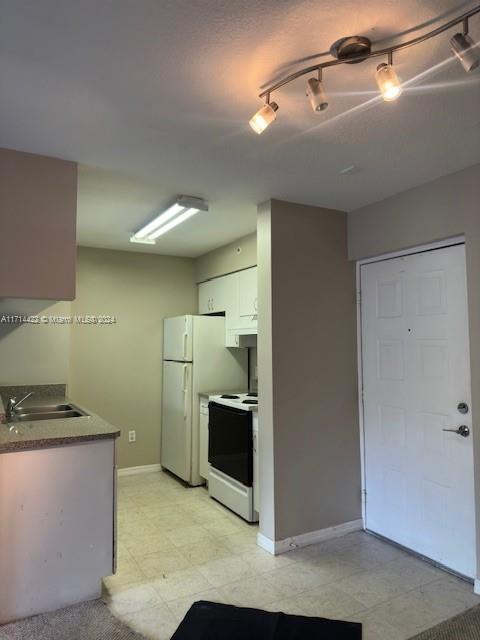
{"x":205,"y":297}
{"x":236,"y":296}
{"x":245,"y":322}
{"x":215,"y":296}
{"x":247,"y":293}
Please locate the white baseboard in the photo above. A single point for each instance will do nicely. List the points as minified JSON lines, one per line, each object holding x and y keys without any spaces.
{"x":276,"y":547}
{"x":134,"y":471}
{"x":266,"y":543}
{"x":476,"y":587}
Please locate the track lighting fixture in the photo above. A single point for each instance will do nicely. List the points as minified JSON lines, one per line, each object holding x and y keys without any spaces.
{"x":388,"y":81}
{"x":316,"y":93}
{"x":465,"y":49}
{"x":264,"y":116}
{"x":358,"y":49}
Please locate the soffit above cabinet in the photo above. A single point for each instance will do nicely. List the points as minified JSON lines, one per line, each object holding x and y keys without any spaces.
{"x":38,"y":200}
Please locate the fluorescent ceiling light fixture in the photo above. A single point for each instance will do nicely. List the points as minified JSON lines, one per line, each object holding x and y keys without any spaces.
{"x":162,"y":218}
{"x":173,"y":223}
{"x":183,"y":208}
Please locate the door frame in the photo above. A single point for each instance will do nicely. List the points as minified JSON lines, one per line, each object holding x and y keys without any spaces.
{"x":441,"y":244}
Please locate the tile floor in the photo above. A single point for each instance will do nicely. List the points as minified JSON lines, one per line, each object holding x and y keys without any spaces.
{"x":176,"y":546}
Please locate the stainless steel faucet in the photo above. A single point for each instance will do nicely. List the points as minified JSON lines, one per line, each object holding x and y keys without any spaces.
{"x":14,"y":404}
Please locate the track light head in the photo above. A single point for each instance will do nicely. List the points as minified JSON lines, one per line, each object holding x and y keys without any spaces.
{"x":316,"y":94}
{"x":466,"y":51}
{"x":388,"y":82}
{"x":264,"y":117}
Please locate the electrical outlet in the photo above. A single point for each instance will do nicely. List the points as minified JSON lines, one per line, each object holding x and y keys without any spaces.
{"x":132,"y":436}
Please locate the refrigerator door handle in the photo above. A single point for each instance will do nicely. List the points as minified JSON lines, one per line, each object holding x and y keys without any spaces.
{"x":185,"y":337}
{"x":185,"y":390}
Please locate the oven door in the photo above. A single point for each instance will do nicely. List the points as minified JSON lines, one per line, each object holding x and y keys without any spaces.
{"x":230,"y":442}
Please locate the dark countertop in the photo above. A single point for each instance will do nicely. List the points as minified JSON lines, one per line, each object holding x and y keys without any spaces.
{"x":41,"y":434}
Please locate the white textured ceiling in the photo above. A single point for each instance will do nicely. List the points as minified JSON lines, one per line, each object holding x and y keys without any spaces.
{"x":153,"y":97}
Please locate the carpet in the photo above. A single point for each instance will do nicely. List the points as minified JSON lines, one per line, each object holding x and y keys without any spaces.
{"x":86,"y":621}
{"x":465,"y":626}
{"x":214,"y":621}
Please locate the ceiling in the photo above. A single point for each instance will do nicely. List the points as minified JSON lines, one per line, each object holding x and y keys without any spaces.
{"x":152,"y":98}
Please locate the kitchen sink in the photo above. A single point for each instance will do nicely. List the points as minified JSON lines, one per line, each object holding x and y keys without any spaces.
{"x":46,"y":408}
{"x":48,"y":412}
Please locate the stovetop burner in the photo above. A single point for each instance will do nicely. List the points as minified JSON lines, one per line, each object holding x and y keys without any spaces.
{"x":227,"y":396}
{"x":249,"y":401}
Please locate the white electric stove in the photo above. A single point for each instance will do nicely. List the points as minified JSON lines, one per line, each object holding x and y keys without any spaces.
{"x":233,"y":452}
{"x":247,"y":401}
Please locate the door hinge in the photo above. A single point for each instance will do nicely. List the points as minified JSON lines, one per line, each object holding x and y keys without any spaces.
{"x":359,"y":297}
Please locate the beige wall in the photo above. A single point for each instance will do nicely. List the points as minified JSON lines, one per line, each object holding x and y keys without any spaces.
{"x":227,"y":259}
{"x":307,"y":370}
{"x":116,"y":371}
{"x":434,"y":211}
{"x":440,"y":209}
{"x":33,"y":353}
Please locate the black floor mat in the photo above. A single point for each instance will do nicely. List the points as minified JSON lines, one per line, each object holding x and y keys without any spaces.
{"x":213,"y":621}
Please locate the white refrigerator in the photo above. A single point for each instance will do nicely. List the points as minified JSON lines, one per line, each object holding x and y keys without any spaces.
{"x":195,"y":360}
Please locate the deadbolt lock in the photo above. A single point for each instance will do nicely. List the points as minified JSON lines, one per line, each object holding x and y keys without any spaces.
{"x":462,"y":407}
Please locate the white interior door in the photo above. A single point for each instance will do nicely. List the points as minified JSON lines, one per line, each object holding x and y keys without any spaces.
{"x":176,"y":445}
{"x":416,"y":372}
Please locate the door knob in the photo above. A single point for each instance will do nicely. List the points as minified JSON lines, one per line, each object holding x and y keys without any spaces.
{"x":462,"y":430}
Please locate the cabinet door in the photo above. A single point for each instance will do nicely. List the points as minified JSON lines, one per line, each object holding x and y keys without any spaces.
{"x":203,"y":443}
{"x":220,"y":294}
{"x":64,"y":517}
{"x":232,"y":339}
{"x":247,"y":291}
{"x":214,"y":296}
{"x":205,"y":297}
